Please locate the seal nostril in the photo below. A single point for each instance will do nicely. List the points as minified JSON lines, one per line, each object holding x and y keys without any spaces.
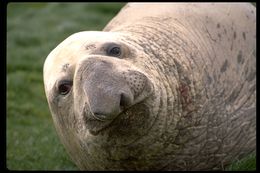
{"x":124,"y":101}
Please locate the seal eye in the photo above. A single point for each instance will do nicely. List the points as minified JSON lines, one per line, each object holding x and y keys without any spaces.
{"x":114,"y":51}
{"x":64,"y":87}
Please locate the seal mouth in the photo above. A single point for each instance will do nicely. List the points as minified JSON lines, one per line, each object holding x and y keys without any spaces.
{"x":99,"y":122}
{"x":95,"y":124}
{"x":123,"y":120}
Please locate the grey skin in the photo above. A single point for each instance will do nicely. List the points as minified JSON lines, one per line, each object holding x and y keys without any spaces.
{"x":162,"y":87}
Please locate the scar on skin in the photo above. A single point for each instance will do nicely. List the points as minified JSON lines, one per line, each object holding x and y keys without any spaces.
{"x":65,"y":67}
{"x":235,"y":35}
{"x":244,"y":35}
{"x":224,"y":66}
{"x":90,"y":46}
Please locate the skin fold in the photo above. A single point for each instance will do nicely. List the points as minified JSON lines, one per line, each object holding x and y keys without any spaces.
{"x":171,"y":87}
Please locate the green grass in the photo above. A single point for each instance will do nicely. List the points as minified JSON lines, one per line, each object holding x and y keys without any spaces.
{"x":33,"y":30}
{"x":246,"y":164}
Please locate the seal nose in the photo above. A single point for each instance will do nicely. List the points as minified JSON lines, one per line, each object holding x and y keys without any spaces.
{"x":125,"y":100}
{"x":107,"y":93}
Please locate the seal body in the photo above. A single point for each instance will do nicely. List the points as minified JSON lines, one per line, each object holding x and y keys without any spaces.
{"x":162,"y":87}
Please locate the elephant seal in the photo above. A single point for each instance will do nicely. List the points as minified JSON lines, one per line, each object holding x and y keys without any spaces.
{"x":162,"y":87}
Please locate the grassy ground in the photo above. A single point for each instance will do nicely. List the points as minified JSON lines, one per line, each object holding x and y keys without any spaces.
{"x":246,"y":164}
{"x":33,"y":30}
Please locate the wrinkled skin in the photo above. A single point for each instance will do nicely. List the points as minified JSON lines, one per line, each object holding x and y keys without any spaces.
{"x":179,"y":94}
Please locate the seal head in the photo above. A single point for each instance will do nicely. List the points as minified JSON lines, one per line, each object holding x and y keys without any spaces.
{"x":94,"y":73}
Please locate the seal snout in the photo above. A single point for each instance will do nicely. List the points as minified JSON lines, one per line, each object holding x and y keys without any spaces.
{"x":109,"y":88}
{"x":105,"y":89}
{"x":111,"y":111}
